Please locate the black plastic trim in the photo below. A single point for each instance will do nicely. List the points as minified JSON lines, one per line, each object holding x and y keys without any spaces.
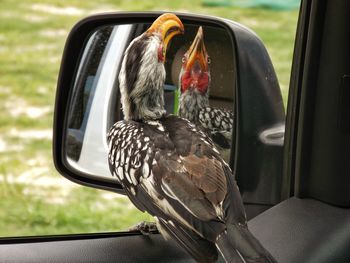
{"x":53,"y":238}
{"x":259,"y":107}
{"x":321,"y":153}
{"x":307,"y":94}
{"x":289,"y":156}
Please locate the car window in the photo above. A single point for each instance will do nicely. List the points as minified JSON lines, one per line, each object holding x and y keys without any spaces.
{"x":84,"y":90}
{"x":34,"y":198}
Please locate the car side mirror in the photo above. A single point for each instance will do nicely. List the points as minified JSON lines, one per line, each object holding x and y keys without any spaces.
{"x":243,"y":81}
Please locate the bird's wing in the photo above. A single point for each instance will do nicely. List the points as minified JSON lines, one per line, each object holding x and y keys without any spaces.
{"x":198,"y":183}
{"x":188,"y":172}
{"x":206,"y":170}
{"x":130,"y":157}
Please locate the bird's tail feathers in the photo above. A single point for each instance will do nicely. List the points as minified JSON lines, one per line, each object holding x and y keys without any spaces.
{"x":201,"y":249}
{"x":237,"y":244}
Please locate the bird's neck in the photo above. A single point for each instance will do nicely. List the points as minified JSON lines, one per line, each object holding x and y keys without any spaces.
{"x":149,"y":106}
{"x":142,"y":96}
{"x":191,"y":102}
{"x":146,"y":103}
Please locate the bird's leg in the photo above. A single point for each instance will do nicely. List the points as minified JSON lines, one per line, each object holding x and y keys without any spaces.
{"x":146,"y":228}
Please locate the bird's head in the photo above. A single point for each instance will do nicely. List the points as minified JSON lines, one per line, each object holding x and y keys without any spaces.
{"x":165,"y":27}
{"x":195,"y":71}
{"x":142,"y":75}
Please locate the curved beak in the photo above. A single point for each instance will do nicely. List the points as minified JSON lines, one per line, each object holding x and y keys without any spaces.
{"x":167,"y":25}
{"x":197,"y":52}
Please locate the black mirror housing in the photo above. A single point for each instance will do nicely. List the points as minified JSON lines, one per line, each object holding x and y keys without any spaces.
{"x":259,"y":112}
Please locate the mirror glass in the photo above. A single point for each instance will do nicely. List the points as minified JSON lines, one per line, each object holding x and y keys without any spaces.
{"x":95,"y":100}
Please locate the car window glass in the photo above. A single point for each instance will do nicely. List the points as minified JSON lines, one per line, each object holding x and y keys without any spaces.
{"x":34,"y":198}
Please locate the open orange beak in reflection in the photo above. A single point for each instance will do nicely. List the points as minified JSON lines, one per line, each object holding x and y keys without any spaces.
{"x":197,"y":52}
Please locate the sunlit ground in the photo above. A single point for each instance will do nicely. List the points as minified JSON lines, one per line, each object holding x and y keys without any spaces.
{"x":34,"y":198}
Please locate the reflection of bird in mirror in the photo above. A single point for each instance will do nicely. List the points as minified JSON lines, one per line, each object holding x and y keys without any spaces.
{"x":194,"y":84}
{"x":171,"y":169}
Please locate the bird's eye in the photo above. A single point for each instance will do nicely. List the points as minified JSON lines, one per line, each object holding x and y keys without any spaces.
{"x":208,"y":60}
{"x":183,"y":59}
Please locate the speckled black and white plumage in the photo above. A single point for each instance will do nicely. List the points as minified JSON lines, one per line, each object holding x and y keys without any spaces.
{"x":218,"y":123}
{"x":171,"y":169}
{"x":216,"y":119}
{"x":154,"y":160}
{"x":194,"y":106}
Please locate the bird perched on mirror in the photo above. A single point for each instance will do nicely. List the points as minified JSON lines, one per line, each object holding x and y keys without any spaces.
{"x":194,"y":85}
{"x":171,"y":169}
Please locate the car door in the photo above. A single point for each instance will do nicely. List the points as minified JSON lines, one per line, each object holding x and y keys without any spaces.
{"x":315,"y":185}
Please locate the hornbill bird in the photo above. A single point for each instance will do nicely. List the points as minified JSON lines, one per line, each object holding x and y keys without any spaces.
{"x":194,"y":84}
{"x":171,"y":169}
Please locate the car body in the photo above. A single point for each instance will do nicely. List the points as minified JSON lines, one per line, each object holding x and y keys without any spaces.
{"x":311,"y":222}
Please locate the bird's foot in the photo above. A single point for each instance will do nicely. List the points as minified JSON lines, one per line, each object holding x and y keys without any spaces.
{"x":146,"y":228}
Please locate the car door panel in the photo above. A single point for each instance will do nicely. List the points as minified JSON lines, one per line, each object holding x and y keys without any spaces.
{"x":125,"y":248}
{"x":304,"y":230}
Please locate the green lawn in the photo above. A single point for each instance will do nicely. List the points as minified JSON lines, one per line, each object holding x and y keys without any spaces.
{"x":34,"y":198}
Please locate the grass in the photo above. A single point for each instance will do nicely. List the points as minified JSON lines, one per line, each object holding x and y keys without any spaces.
{"x":32,"y":36}
{"x":33,"y":215}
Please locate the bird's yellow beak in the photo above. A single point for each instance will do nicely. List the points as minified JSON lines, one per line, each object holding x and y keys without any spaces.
{"x":167,"y":25}
{"x":197,"y":52}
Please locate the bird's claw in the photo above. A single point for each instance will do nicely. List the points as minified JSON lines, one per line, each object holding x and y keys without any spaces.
{"x":146,"y":228}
